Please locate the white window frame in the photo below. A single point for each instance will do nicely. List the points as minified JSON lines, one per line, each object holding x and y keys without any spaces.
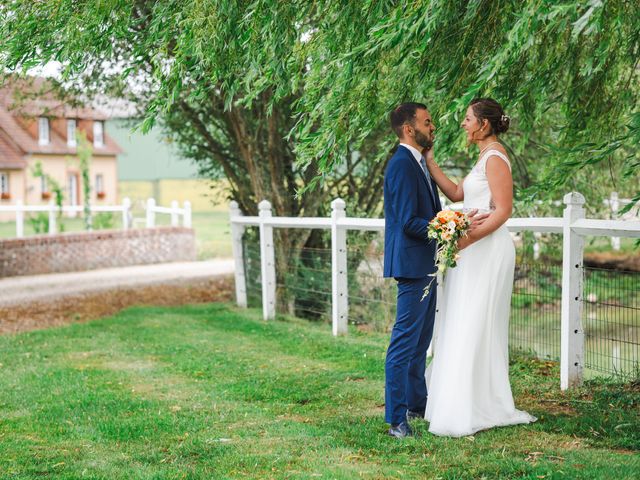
{"x":44,"y":132}
{"x":73,"y":188}
{"x":4,"y":183}
{"x":71,"y":132}
{"x":98,"y":133}
{"x":99,"y":183}
{"x":44,"y":188}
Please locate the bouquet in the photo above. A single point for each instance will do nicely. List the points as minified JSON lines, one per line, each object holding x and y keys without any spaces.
{"x":446,"y":228}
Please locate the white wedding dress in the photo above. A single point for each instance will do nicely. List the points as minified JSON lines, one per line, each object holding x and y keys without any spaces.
{"x":468,"y":378}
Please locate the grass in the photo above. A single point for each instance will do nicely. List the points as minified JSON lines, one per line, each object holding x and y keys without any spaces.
{"x":210,"y":391}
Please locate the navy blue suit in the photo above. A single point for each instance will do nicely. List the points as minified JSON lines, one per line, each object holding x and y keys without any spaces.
{"x":409,"y":205}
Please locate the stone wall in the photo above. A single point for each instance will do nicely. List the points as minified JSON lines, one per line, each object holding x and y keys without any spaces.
{"x":74,"y":252}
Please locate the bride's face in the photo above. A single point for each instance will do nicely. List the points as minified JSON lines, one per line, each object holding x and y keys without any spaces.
{"x":472,"y":126}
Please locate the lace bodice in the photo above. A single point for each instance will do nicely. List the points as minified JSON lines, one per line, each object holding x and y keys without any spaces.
{"x":477,"y":194}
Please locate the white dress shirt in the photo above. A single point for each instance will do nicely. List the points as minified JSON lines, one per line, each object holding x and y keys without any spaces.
{"x":416,"y":154}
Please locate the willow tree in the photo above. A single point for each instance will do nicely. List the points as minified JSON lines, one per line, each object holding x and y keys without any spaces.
{"x":277,"y":96}
{"x":185,"y":66}
{"x":283,"y":98}
{"x":567,"y":72}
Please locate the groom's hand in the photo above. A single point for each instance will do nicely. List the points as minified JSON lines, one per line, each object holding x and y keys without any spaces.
{"x":476,"y":220}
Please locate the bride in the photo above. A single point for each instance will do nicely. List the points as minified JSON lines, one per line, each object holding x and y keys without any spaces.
{"x":468,"y":379}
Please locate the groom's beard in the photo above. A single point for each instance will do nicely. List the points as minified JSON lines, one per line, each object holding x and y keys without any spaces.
{"x":424,"y":141}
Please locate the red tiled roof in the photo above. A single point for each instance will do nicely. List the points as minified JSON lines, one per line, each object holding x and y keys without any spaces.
{"x":46,"y":105}
{"x":11,"y":157}
{"x":34,"y":96}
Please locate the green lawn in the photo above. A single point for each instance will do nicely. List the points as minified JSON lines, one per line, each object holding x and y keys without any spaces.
{"x":213,"y":392}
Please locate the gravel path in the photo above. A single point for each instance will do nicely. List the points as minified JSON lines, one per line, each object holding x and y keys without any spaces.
{"x":38,"y":288}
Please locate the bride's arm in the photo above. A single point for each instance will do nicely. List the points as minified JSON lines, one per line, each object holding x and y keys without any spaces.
{"x":452,"y":190}
{"x":501,"y":186}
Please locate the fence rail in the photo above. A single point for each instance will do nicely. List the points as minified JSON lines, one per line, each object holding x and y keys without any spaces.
{"x":125,"y":209}
{"x":573,"y":226}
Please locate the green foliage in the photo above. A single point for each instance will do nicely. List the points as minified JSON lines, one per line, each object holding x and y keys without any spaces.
{"x":58,"y":192}
{"x":84,"y":152}
{"x":208,"y":391}
{"x":39,"y":223}
{"x":325,"y":75}
{"x":103,"y":221}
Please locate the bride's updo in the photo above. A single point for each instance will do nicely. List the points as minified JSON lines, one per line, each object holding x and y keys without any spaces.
{"x":492,"y":111}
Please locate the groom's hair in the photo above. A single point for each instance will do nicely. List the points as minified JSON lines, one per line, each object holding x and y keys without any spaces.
{"x":404,"y":113}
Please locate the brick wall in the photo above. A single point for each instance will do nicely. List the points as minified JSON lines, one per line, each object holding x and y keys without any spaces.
{"x":73,"y":252}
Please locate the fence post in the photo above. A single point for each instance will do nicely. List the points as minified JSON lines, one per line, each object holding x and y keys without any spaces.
{"x":19,"y":219}
{"x":572,"y":334}
{"x":126,"y":210}
{"x":536,"y":245}
{"x":151,"y":212}
{"x":267,"y":262}
{"x":614,"y":204}
{"x":174,"y":213}
{"x":339,"y":283}
{"x":236,"y":248}
{"x":53,"y":227}
{"x":186,"y":218}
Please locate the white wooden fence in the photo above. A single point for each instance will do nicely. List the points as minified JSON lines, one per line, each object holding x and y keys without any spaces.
{"x":573,"y":226}
{"x":174,"y":210}
{"x":124,"y":209}
{"x":615,"y":204}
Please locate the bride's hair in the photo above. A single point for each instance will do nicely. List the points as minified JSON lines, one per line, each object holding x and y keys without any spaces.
{"x":492,"y":111}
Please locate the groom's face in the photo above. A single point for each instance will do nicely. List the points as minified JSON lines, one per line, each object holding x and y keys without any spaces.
{"x":423,"y":129}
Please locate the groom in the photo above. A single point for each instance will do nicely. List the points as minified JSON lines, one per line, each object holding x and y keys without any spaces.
{"x":410,"y":202}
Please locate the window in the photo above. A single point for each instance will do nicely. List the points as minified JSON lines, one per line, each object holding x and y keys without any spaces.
{"x":99,"y":183}
{"x":4,"y":182}
{"x":43,"y":131}
{"x":45,"y":194}
{"x":98,"y":134}
{"x":71,"y":133}
{"x":72,"y":182}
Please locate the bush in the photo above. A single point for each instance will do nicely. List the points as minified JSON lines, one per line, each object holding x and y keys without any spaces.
{"x":103,"y":221}
{"x":39,"y":222}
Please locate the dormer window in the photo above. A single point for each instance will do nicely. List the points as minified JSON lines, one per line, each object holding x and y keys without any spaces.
{"x":43,"y":131}
{"x":71,"y":133}
{"x":98,"y":134}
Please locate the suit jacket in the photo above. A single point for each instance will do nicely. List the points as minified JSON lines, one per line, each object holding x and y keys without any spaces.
{"x":409,"y":205}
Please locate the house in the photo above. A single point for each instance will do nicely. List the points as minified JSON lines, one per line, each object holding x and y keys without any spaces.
{"x":37,"y":127}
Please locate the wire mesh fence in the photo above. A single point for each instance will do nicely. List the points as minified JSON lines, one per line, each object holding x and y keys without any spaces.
{"x":611,"y":313}
{"x":611,"y":321}
{"x":251,"y":260}
{"x":372,"y":298}
{"x":535,"y":308}
{"x":304,"y":289}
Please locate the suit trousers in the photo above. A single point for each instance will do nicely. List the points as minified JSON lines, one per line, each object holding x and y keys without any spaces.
{"x":405,"y":384}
